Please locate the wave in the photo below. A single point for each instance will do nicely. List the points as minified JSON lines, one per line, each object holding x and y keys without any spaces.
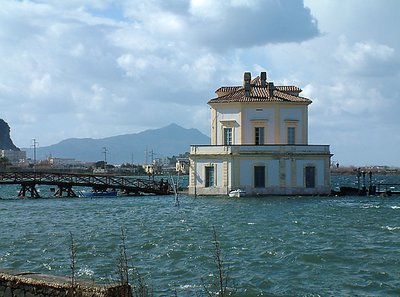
{"x":390,"y":228}
{"x":85,"y":271}
{"x":371,"y":206}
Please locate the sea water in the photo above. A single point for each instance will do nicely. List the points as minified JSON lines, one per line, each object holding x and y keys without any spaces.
{"x":271,"y":246}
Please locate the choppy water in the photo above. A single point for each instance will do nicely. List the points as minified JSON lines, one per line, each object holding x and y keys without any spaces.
{"x":274,"y":246}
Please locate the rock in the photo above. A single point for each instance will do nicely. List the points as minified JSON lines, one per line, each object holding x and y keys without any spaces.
{"x":5,"y":139}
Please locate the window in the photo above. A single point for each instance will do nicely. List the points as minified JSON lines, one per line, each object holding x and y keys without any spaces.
{"x":291,"y":135}
{"x":259,"y":176}
{"x":291,"y":130}
{"x":209,"y":176}
{"x":227,"y":136}
{"x":310,"y":177}
{"x":259,"y":128}
{"x":259,"y":135}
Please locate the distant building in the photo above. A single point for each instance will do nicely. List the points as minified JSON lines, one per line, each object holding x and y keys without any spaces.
{"x":63,"y":162}
{"x":182,"y":165}
{"x":100,"y":171}
{"x":259,"y":143}
{"x":149,"y":169}
{"x":14,"y":157}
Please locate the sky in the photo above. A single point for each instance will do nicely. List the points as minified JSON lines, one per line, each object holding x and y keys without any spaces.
{"x":99,"y":68}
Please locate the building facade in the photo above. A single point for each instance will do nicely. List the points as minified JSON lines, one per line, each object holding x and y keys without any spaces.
{"x":14,"y":157}
{"x":63,"y":162}
{"x":259,"y":143}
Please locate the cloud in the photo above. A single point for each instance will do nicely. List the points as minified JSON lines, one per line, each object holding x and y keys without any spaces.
{"x":132,"y":65}
{"x":41,"y":85}
{"x":77,"y":50}
{"x":367,"y":58}
{"x":132,"y":37}
{"x":243,"y":24}
{"x":225,"y":24}
{"x":202,"y":70}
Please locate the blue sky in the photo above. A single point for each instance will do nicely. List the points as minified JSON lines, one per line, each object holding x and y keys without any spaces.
{"x":98,"y":68}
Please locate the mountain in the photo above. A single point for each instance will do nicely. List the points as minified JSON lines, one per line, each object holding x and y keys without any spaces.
{"x":5,"y":139}
{"x":167,"y":141}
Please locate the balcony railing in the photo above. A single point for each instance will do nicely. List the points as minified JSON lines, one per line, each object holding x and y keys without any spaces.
{"x":258,"y":149}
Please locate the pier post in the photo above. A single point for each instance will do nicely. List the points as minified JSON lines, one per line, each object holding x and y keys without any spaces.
{"x":28,"y":187}
{"x":358,"y":180}
{"x":364,"y":188}
{"x":65,"y":188}
{"x":371,"y":190}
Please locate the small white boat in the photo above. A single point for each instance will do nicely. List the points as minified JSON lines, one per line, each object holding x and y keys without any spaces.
{"x":237,"y":193}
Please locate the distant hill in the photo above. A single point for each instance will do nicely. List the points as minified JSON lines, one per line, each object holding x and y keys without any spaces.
{"x":5,"y":139}
{"x":167,"y":141}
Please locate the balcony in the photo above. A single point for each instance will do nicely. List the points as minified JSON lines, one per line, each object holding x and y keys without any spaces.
{"x":203,"y":150}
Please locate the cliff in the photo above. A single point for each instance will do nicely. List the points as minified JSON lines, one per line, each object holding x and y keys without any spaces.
{"x":5,"y":139}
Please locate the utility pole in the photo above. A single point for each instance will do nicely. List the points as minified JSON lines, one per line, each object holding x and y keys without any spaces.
{"x":105,"y":150}
{"x":146,"y":155}
{"x":34,"y":146}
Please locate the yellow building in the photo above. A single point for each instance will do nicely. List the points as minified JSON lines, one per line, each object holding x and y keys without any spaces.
{"x":259,"y":143}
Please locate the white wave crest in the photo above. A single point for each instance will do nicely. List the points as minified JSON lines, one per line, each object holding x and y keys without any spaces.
{"x":371,"y":206}
{"x":391,"y":228}
{"x":85,"y":271}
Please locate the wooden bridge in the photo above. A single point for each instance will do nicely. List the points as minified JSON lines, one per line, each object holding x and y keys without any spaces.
{"x":66,"y":181}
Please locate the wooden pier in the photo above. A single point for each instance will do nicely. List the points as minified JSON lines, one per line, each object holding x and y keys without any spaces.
{"x":66,"y":182}
{"x":374,"y":188}
{"x":378,"y":189}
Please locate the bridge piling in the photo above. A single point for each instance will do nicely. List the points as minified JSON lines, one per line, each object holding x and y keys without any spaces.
{"x":65,"y":189}
{"x":30,"y":188}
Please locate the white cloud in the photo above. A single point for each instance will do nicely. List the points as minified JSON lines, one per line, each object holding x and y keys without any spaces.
{"x":365,"y":58}
{"x":133,"y":37}
{"x":214,"y":10}
{"x":219,"y":25}
{"x":41,"y":84}
{"x":207,"y":9}
{"x":97,"y":98}
{"x":77,"y":50}
{"x":131,"y":65}
{"x":165,"y":23}
{"x":201,"y":70}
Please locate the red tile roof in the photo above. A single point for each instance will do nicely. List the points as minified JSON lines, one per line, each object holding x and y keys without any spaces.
{"x":228,"y":89}
{"x":259,"y":93}
{"x":257,"y":82}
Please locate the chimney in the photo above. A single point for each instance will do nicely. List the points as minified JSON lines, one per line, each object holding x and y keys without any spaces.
{"x":246,"y":83}
{"x":263,"y":79}
{"x":271,"y":89}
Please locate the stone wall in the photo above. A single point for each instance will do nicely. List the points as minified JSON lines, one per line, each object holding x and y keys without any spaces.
{"x":29,"y":284}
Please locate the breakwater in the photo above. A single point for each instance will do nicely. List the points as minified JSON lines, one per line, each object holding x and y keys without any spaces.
{"x":29,"y":284}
